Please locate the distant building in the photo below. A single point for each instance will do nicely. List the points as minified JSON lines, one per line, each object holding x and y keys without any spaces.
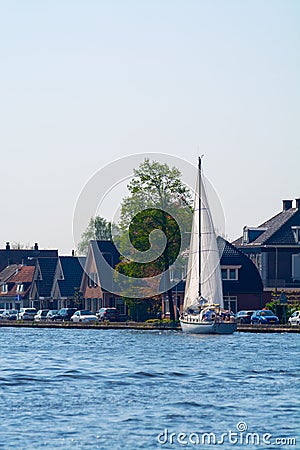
{"x":15,"y":284}
{"x":274,"y":247}
{"x":97,"y":281}
{"x":241,"y":281}
{"x":24,"y":257}
{"x":41,"y":288}
{"x":66,"y":283}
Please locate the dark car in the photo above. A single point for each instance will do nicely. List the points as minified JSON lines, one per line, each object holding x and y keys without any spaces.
{"x":111,"y":314}
{"x":244,"y":316}
{"x":63,"y":315}
{"x":9,"y":314}
{"x":264,"y":316}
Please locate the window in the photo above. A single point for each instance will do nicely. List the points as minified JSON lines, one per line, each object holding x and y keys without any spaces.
{"x":230,"y":303}
{"x":94,"y":305}
{"x":120,"y":306}
{"x":93,"y":279}
{"x":230,"y":273}
{"x":296,"y":232}
{"x":233,"y":274}
{"x":245,"y":236}
{"x":296,"y":267}
{"x":20,"y":287}
{"x":4,"y":288}
{"x":88,"y":303}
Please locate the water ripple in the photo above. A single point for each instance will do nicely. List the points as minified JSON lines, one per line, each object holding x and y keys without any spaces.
{"x":121,"y":388}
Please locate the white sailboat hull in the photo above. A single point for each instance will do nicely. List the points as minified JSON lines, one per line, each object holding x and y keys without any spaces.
{"x":207,"y":327}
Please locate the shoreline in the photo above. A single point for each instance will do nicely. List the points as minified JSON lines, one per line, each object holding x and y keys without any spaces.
{"x":145,"y":326}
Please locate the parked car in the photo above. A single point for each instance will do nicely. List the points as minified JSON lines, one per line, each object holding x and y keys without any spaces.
{"x":51,"y":313}
{"x":111,"y":314}
{"x":264,"y":316}
{"x":64,"y":314}
{"x":9,"y":314}
{"x":295,"y":318}
{"x":244,"y":316}
{"x":41,"y":315}
{"x":27,"y":313}
{"x":84,"y":316}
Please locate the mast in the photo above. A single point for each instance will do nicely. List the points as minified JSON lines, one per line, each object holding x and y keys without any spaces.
{"x":199,"y":200}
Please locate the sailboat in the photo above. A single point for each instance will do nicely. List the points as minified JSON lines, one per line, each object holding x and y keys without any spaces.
{"x":203,"y":307}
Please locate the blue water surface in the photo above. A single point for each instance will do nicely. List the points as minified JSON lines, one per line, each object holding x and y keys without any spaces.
{"x":128,"y":389}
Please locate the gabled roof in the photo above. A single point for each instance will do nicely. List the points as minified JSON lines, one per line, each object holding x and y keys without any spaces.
{"x":72,"y":268}
{"x":249,"y":280}
{"x":105,"y":250}
{"x":278,"y":230}
{"x":6,"y":273}
{"x":22,"y":275}
{"x":47,"y":268}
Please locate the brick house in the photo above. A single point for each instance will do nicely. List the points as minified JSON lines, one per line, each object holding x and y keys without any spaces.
{"x":274,"y":247}
{"x":15,"y":284}
{"x":97,"y":281}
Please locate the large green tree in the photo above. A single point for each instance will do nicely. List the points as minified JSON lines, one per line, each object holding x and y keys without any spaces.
{"x":157,"y":196}
{"x":99,"y":229}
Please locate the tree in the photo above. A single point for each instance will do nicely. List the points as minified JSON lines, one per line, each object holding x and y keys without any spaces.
{"x":20,"y":246}
{"x":157,"y":196}
{"x":98,"y":229}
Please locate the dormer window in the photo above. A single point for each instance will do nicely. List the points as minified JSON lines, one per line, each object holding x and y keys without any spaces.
{"x":245,"y":236}
{"x":296,"y":233}
{"x":20,"y":287}
{"x":250,"y":234}
{"x":4,"y":288}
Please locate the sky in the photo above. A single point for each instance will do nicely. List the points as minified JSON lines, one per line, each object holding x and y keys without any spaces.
{"x":83,"y":83}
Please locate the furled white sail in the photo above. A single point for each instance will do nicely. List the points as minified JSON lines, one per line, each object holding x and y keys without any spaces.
{"x":211,"y":281}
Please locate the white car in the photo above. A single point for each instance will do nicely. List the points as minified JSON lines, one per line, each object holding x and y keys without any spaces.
{"x":84,"y":316}
{"x":41,"y":315}
{"x":295,"y":318}
{"x":27,"y":313}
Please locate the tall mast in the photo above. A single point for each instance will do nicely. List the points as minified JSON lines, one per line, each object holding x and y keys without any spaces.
{"x":199,"y":206}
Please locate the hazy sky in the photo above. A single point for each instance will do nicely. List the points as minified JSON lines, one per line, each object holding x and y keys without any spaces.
{"x":85,"y":82}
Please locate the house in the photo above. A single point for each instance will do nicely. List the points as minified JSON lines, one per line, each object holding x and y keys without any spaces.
{"x":241,"y":282}
{"x":274,"y":247}
{"x":26,"y":257}
{"x":41,"y":288}
{"x":15,"y":284}
{"x":67,"y":281}
{"x":97,"y":281}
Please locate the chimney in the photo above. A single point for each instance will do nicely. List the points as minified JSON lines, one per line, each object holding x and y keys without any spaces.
{"x":298,"y":203}
{"x":7,"y":246}
{"x":287,"y":204}
{"x":36,"y":247}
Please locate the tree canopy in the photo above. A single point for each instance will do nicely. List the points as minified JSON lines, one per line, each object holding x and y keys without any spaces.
{"x":99,"y":229}
{"x":158,"y":201}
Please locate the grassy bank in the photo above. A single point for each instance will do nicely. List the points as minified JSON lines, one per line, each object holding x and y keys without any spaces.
{"x":144,"y":326}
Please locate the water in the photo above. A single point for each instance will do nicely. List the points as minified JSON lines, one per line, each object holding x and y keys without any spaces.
{"x":120,"y":389}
